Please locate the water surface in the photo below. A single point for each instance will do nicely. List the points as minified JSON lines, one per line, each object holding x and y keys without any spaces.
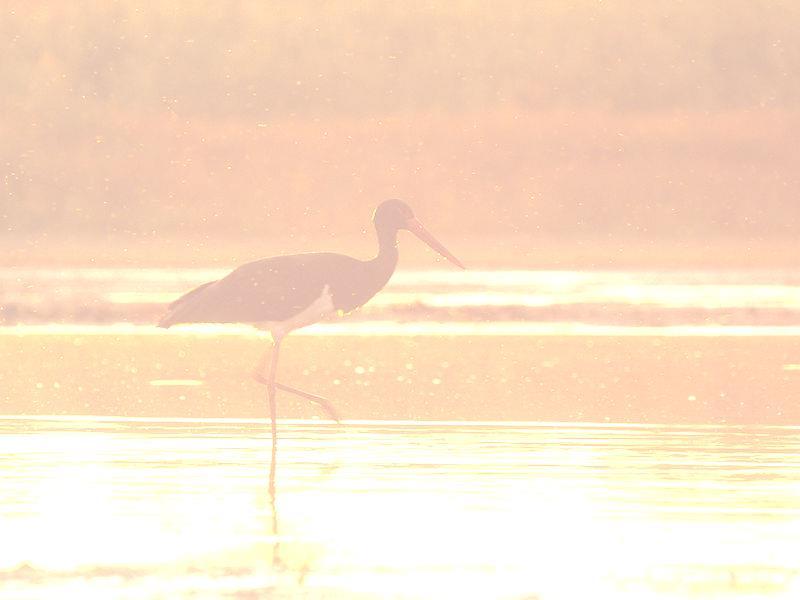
{"x":133,"y":508}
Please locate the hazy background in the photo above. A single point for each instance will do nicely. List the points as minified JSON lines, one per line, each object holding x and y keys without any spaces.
{"x":527,"y":133}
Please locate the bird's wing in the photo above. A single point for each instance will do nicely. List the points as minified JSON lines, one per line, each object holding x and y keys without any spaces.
{"x":177,"y":308}
{"x":188,"y":295}
{"x":271,"y":289}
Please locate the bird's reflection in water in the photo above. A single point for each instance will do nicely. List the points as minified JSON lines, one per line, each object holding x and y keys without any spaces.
{"x":279,"y":561}
{"x":276,"y":536}
{"x":273,"y":503}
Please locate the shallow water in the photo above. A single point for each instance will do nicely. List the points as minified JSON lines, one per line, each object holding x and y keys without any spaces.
{"x":137,"y":508}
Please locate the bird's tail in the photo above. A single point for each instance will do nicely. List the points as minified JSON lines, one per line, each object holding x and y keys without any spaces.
{"x":175,"y":308}
{"x":166,"y":321}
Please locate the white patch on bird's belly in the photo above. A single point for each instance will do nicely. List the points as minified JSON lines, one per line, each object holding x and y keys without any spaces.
{"x":316,"y":311}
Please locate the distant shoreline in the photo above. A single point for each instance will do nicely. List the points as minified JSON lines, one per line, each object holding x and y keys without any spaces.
{"x":512,"y":251}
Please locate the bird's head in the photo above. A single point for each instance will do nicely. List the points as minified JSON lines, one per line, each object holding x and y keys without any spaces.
{"x":392,"y":215}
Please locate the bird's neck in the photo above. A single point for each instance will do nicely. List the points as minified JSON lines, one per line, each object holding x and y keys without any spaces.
{"x":386,"y":260}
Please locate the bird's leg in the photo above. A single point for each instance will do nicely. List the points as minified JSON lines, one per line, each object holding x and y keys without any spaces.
{"x":272,"y":412}
{"x":318,"y":400}
{"x":261,"y":375}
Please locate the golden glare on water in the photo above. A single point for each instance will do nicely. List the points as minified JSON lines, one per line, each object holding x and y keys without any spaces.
{"x":175,"y":382}
{"x":471,"y":510}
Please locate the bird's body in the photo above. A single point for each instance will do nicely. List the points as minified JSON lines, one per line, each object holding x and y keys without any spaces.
{"x":284,"y":293}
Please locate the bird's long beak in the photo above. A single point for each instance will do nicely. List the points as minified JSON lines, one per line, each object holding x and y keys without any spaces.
{"x":415,"y":227}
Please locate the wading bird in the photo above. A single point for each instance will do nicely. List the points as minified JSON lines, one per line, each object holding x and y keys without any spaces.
{"x":284,"y":293}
